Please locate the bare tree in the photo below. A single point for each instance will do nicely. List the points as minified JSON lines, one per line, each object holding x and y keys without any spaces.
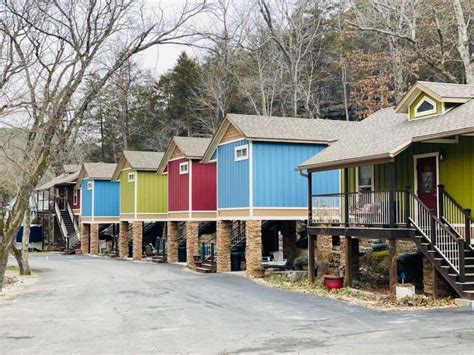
{"x":70,"y":43}
{"x":21,"y":255}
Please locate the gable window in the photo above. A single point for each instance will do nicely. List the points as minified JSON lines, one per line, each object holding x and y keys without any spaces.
{"x":89,"y":185}
{"x":183,"y":168}
{"x":241,"y":152}
{"x":365,"y":178}
{"x":425,"y":107}
{"x":131,"y":177}
{"x":74,"y":196}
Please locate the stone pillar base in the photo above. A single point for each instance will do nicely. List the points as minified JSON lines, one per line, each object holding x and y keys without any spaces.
{"x":253,"y":249}
{"x":94,"y":239}
{"x":123,"y":239}
{"x":223,"y":232}
{"x":192,"y":242}
{"x":137,"y":241}
{"x":85,"y":236}
{"x":172,"y":242}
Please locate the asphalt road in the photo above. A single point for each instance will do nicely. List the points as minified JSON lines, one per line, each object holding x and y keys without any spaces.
{"x":83,"y":304}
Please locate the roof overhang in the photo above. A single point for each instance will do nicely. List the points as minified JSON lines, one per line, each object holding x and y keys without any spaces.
{"x":82,"y":175}
{"x":119,"y":167}
{"x":166,"y":157}
{"x":217,"y":138}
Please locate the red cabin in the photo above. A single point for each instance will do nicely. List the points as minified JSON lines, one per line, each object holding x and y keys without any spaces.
{"x":191,"y":184}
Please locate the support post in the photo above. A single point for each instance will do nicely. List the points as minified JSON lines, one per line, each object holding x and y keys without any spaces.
{"x":311,"y":262}
{"x":192,"y":242}
{"x":223,"y":240}
{"x":467,"y":223}
{"x":173,"y":247}
{"x":440,"y":201}
{"x":94,"y":239}
{"x":391,"y":168}
{"x":392,"y":254}
{"x":310,"y":198}
{"x":462,"y":268}
{"x":407,"y":206}
{"x":348,"y":261}
{"x":346,"y":197}
{"x":253,"y":248}
{"x":435,"y":282}
{"x":123,"y":239}
{"x":433,"y":230}
{"x":137,"y":241}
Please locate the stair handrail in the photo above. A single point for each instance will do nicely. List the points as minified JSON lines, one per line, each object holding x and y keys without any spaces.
{"x":450,"y":246}
{"x":62,"y":225}
{"x":450,"y":210}
{"x":71,"y":215}
{"x":238,"y":235}
{"x":207,"y":250}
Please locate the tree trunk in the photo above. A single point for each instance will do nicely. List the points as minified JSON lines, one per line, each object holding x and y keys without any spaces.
{"x":3,"y":264}
{"x":463,"y":42}
{"x":25,"y":243}
{"x":17,"y":254}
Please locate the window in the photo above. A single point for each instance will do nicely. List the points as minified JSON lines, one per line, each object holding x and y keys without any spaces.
{"x":425,"y":107}
{"x":74,"y":196}
{"x":131,"y":177}
{"x":365,"y":178}
{"x":183,"y":168}
{"x":241,"y":152}
{"x":89,"y":185}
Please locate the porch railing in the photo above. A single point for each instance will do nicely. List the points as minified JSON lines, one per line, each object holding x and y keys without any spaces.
{"x":371,"y":208}
{"x":459,"y":218}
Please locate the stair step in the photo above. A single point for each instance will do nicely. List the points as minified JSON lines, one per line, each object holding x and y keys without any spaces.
{"x":203,"y":270}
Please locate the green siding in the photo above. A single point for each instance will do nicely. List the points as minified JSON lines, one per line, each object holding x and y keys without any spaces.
{"x":352,"y":180}
{"x":456,"y":172}
{"x":127,"y":193}
{"x":439,"y":106}
{"x":152,"y":192}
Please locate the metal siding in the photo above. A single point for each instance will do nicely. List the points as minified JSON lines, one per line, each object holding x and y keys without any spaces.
{"x":106,"y":198}
{"x":127,"y":193}
{"x":204,"y":186}
{"x":86,"y":199}
{"x":178,"y":187}
{"x":152,"y":192}
{"x":233,"y":177}
{"x":275,"y":181}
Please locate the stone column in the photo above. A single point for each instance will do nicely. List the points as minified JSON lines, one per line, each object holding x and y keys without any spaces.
{"x":253,"y":248}
{"x":192,"y":242}
{"x":223,"y":232}
{"x":94,"y":239}
{"x":172,"y":242}
{"x":137,"y":240}
{"x":85,"y":235}
{"x":324,"y":254}
{"x":123,"y":239}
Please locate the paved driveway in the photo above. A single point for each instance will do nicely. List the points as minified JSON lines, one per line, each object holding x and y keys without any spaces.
{"x":95,"y":305}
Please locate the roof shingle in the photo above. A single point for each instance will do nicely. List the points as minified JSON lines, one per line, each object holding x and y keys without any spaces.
{"x":143,"y":160}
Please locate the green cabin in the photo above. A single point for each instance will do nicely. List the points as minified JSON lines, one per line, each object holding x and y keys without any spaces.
{"x":408,"y":172}
{"x":143,"y":192}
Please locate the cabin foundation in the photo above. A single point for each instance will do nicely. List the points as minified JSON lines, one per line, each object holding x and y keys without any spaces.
{"x":173,"y":244}
{"x":94,"y":239}
{"x":123,"y":239}
{"x":137,"y":230}
{"x":253,"y":250}
{"x":224,"y":246}
{"x":85,"y":236}
{"x":192,"y":242}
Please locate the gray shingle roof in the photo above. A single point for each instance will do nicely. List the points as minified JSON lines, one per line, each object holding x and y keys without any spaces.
{"x":143,"y":160}
{"x":63,"y":179}
{"x":192,"y":147}
{"x":99,"y":171}
{"x":386,"y":133}
{"x":289,"y":128}
{"x":448,"y":90}
{"x":71,"y":168}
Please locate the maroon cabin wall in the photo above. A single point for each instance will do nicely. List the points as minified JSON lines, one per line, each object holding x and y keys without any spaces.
{"x":204,"y":194}
{"x":178,"y":187}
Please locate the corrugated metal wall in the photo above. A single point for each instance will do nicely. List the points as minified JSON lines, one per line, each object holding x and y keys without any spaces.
{"x":178,"y":187}
{"x":204,"y":186}
{"x":152,"y":192}
{"x":277,"y":184}
{"x":233,"y":177}
{"x":127,"y":193}
{"x":106,"y":198}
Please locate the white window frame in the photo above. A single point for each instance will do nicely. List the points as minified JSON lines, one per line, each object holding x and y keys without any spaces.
{"x":131,"y":177}
{"x":183,"y":165}
{"x":372,"y":179}
{"x":89,"y":185}
{"x":74,"y":196}
{"x":424,"y":113}
{"x":239,"y":149}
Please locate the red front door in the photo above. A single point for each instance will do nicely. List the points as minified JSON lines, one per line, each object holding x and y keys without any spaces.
{"x":426,"y":181}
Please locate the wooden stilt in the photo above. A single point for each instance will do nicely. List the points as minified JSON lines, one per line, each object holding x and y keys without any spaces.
{"x":434,"y":275}
{"x":311,"y":263}
{"x":348,"y":261}
{"x":392,"y":253}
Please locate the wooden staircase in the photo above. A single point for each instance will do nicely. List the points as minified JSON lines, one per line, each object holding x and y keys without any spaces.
{"x":443,"y":242}
{"x":68,"y":228}
{"x":205,"y":262}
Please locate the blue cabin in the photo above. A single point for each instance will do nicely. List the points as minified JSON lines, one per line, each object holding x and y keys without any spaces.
{"x":256,"y":161}
{"x":100,"y":196}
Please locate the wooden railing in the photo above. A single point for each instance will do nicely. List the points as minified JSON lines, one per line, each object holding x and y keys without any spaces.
{"x":372,"y":208}
{"x":451,"y":212}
